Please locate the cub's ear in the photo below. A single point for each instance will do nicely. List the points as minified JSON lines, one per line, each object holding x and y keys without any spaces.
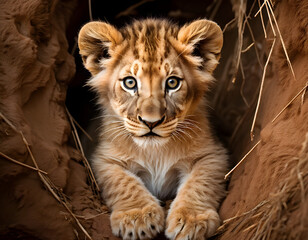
{"x":97,"y":40}
{"x":204,"y":39}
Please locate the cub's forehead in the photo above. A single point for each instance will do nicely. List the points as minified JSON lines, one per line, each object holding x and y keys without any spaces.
{"x":138,"y":69}
{"x":150,"y":40}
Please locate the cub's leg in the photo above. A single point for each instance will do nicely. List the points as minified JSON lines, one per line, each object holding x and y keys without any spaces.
{"x":193,"y":213}
{"x":136,"y":214}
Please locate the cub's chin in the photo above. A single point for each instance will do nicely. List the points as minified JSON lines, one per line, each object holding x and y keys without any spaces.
{"x":150,"y":140}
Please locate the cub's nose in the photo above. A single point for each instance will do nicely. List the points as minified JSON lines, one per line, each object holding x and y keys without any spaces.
{"x":151,"y":124}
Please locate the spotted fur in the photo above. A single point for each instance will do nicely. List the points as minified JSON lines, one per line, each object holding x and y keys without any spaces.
{"x":156,"y":141}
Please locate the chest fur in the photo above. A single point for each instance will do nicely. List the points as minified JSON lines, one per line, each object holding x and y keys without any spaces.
{"x":159,"y":174}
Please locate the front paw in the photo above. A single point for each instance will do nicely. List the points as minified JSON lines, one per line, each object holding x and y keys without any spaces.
{"x":184,"y":223}
{"x":138,"y":223}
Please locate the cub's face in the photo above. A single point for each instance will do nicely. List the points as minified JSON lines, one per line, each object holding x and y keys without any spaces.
{"x":151,"y":75}
{"x":150,"y":97}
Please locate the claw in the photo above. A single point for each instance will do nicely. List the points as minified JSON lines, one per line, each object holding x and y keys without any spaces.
{"x":138,"y":223}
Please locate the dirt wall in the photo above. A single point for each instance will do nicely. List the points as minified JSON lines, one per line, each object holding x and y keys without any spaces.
{"x":268,"y":191}
{"x":35,"y":68}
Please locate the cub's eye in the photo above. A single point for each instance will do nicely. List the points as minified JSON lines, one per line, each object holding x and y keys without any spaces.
{"x":130,"y":83}
{"x":173,"y":83}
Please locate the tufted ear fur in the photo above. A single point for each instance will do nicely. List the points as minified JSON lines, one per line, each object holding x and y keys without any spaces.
{"x":204,"y":39}
{"x":97,"y":40}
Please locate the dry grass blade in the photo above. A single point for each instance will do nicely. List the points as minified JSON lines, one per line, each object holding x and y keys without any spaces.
{"x":261,"y":17}
{"x":254,"y":41}
{"x":281,"y":39}
{"x":248,"y":48}
{"x":228,"y":25}
{"x":240,"y":26}
{"x":250,"y":227}
{"x":92,"y":216}
{"x":260,"y":8}
{"x":76,"y":136}
{"x":78,"y":125}
{"x":243,"y":85}
{"x":215,"y":10}
{"x":303,"y":95}
{"x":260,"y":91}
{"x":237,"y":216}
{"x":132,"y":8}
{"x":85,"y":161}
{"x":22,"y":164}
{"x":75,"y":140}
{"x":45,"y":179}
{"x":242,"y":159}
{"x":74,"y":48}
{"x":270,"y":20}
{"x":290,"y":102}
{"x":240,"y":8}
{"x":90,"y":10}
{"x":8,"y":122}
{"x":84,"y":131}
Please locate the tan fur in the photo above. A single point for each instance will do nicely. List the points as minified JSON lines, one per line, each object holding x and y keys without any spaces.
{"x":137,"y":171}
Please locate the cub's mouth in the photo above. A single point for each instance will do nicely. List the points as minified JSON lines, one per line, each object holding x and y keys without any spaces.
{"x":151,"y":134}
{"x":146,"y":133}
{"x":150,"y":139}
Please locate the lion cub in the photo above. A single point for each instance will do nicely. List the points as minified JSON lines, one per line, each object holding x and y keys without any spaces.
{"x":156,"y":142}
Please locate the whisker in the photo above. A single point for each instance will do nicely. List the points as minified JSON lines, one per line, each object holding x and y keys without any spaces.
{"x":175,"y":137}
{"x":179,"y":135}
{"x":111,"y":115}
{"x":116,"y":121}
{"x":118,"y":135}
{"x":185,"y":133}
{"x":107,"y":125}
{"x":104,"y":116}
{"x":186,"y":128}
{"x":192,"y":123}
{"x":191,"y":115}
{"x":116,"y":131}
{"x":112,"y":129}
{"x":190,"y":127}
{"x":127,"y":135}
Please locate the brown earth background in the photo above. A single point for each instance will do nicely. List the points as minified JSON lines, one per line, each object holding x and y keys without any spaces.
{"x":53,"y":195}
